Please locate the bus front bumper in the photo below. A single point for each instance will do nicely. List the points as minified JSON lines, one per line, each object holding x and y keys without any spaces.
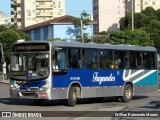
{"x":29,"y":94}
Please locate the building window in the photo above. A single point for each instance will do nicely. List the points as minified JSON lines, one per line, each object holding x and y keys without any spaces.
{"x":153,"y":3}
{"x":61,"y":10}
{"x":28,"y":18}
{"x":41,"y":3}
{"x":28,"y":11}
{"x":145,"y":3}
{"x":48,"y":3}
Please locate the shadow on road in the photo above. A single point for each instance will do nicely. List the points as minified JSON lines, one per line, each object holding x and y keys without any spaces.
{"x":110,"y":100}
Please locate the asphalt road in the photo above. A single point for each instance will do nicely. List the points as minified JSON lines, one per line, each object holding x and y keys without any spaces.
{"x":146,"y":102}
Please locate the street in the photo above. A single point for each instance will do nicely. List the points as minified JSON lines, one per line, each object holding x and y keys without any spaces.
{"x":145,"y":102}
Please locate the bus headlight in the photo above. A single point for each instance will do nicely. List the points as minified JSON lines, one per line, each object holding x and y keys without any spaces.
{"x":15,"y":86}
{"x":45,"y":86}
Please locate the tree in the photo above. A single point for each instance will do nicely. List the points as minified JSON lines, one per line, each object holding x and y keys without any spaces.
{"x":76,"y":31}
{"x":154,"y":30}
{"x":9,"y":34}
{"x":148,"y":21}
{"x":149,"y":11}
{"x":138,"y":37}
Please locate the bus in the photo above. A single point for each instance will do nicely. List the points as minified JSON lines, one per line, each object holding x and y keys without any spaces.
{"x":48,"y":70}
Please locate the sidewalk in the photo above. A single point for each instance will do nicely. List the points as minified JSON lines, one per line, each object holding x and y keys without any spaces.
{"x":5,"y":81}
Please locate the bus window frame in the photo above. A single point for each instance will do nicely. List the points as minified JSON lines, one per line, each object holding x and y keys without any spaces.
{"x":59,"y":71}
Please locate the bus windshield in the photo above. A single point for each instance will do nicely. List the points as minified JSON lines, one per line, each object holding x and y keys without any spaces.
{"x":29,"y":66}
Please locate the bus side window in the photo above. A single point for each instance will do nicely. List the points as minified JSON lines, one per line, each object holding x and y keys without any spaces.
{"x":59,"y":60}
{"x":74,"y":58}
{"x":121,"y":60}
{"x":148,"y":60}
{"x":91,"y":58}
{"x":62,"y":60}
{"x":135,"y":60}
{"x":106,"y":59}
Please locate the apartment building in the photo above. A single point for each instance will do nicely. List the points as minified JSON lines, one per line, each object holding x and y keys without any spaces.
{"x":4,"y":19}
{"x":29,"y":12}
{"x":142,"y":4}
{"x":107,"y":13}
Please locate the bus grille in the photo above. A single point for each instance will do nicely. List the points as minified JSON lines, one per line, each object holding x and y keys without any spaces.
{"x":28,"y":94}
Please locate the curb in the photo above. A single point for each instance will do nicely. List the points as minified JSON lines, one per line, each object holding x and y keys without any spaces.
{"x":4,"y":82}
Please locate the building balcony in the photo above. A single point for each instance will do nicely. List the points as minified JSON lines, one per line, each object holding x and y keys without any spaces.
{"x":44,"y":6}
{"x":18,"y":1}
{"x":44,"y":14}
{"x":19,"y":16}
{"x":48,"y":0}
{"x":39,"y":0}
{"x":18,"y":8}
{"x":44,"y":0}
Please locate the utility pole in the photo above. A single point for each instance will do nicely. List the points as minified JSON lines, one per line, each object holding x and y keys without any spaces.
{"x":82,"y":37}
{"x":132,"y":15}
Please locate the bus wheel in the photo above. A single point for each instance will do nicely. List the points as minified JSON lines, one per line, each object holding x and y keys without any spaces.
{"x":38,"y":101}
{"x":127,"y":93}
{"x":72,"y":98}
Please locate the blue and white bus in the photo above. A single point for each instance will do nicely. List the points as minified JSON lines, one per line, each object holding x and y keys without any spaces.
{"x":69,"y":70}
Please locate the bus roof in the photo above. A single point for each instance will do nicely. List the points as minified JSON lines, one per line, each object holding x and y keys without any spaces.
{"x":95,"y":45}
{"x":103,"y":46}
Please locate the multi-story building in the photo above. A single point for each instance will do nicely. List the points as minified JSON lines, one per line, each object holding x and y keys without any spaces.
{"x":29,"y":12}
{"x":4,"y":19}
{"x":107,"y":13}
{"x":142,"y":4}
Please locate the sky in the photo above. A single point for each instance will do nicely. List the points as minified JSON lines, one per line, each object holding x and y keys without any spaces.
{"x":73,"y":7}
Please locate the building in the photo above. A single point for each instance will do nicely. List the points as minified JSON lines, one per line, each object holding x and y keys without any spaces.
{"x":142,"y":4}
{"x":29,"y":12}
{"x":107,"y":13}
{"x":54,"y":28}
{"x":4,"y":19}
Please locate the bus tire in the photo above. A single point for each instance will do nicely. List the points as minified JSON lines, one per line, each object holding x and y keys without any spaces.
{"x":38,"y":101}
{"x":127,"y":93}
{"x":72,"y":97}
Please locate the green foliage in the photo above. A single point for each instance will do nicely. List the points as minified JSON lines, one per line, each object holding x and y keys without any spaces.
{"x":137,"y":37}
{"x":102,"y":39}
{"x":76,"y":31}
{"x":9,"y":34}
{"x":149,"y":11}
{"x":148,"y":22}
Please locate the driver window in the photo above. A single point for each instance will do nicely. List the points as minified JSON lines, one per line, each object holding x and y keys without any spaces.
{"x":59,"y":59}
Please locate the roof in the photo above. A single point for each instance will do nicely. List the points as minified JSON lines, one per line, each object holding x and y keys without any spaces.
{"x":96,"y":46}
{"x":61,"y":20}
{"x":103,"y":46}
